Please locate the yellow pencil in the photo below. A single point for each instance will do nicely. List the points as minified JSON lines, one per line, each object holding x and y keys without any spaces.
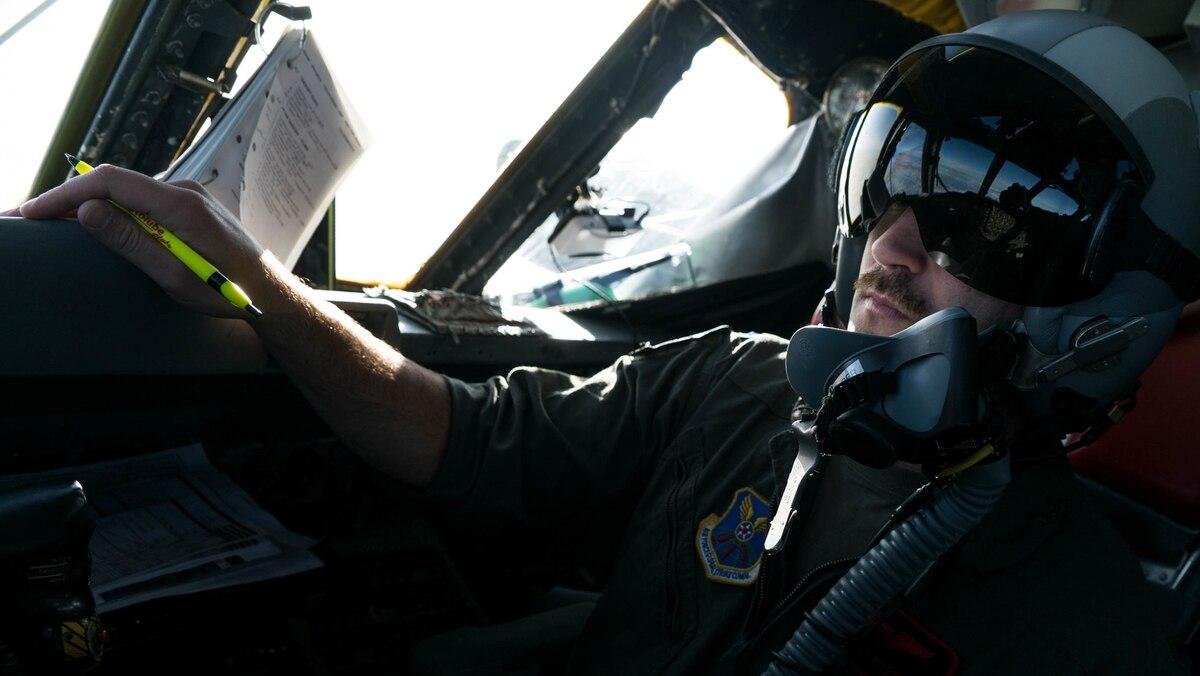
{"x":186,"y":254}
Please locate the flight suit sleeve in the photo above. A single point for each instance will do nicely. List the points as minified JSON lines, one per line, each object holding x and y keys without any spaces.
{"x":538,"y":446}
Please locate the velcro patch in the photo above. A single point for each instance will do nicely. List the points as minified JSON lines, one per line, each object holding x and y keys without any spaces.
{"x":731,"y":545}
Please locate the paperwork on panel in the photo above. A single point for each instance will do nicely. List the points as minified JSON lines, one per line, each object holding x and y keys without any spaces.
{"x":171,"y":523}
{"x":279,"y":149}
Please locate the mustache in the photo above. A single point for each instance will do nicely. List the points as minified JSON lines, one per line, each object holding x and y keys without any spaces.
{"x":897,"y":286}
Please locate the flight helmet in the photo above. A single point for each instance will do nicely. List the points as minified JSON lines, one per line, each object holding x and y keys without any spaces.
{"x":1051,"y":160}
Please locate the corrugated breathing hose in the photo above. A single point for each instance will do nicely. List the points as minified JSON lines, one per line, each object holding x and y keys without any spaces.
{"x":889,"y":568}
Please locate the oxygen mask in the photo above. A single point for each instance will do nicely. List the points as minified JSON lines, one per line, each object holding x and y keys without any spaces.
{"x":928,"y":395}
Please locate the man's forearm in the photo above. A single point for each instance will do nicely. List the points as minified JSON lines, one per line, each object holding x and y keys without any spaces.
{"x":390,"y":410}
{"x":394,"y":413}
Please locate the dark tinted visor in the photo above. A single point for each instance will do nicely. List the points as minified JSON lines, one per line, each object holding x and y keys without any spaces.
{"x":1006,"y":170}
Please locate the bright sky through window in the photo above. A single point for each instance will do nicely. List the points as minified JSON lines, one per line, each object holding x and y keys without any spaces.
{"x":37,"y":72}
{"x":442,"y":88}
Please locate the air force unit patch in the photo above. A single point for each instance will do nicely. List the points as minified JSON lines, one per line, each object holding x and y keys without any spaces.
{"x":731,"y":545}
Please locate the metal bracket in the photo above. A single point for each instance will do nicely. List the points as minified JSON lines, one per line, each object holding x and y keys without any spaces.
{"x":1093,"y":350}
{"x":189,"y":80}
{"x":806,"y":459}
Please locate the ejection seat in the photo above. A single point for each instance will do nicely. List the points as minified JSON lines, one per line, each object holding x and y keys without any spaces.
{"x":1145,"y":472}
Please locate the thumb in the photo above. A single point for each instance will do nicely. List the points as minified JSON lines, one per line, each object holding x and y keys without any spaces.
{"x":117,"y":231}
{"x":114,"y":229}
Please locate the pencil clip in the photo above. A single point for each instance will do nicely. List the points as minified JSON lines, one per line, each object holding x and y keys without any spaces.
{"x":289,"y":12}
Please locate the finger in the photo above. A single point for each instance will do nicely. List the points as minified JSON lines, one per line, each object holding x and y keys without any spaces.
{"x":189,"y":184}
{"x":135,"y":191}
{"x":15,"y":212}
{"x":118,"y":232}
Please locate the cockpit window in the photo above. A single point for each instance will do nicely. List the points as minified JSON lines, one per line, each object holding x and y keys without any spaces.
{"x":449,"y":91}
{"x":42,"y":47}
{"x":714,"y":126}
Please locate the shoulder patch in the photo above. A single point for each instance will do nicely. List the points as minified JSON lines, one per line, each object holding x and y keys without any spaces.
{"x":731,"y":545}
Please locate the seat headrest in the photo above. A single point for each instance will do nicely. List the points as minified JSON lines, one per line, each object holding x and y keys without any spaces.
{"x":1151,"y":455}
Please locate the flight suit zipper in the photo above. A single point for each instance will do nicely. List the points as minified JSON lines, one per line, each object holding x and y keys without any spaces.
{"x":756,"y":630}
{"x":802,"y":588}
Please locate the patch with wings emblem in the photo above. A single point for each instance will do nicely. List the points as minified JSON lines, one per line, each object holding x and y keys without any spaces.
{"x":731,"y":545}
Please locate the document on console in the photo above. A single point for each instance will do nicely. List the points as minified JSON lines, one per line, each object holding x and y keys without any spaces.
{"x":307,"y":138}
{"x":171,"y":523}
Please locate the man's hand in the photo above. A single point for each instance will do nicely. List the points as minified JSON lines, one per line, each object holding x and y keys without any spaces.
{"x":184,"y":207}
{"x":393,"y":412}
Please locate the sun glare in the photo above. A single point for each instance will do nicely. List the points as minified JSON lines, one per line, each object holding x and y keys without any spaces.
{"x":38,"y":67}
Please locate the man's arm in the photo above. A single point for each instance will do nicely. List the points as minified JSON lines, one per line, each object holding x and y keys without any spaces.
{"x":390,"y":410}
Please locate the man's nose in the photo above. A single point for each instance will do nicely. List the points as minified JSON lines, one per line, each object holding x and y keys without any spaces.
{"x":899,"y":245}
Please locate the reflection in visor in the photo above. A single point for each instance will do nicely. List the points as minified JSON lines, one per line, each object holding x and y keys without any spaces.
{"x":867,"y":141}
{"x":1005,"y":176}
{"x":961,"y":166}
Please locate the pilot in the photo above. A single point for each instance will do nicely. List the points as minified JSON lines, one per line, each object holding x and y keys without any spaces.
{"x":1037,"y":171}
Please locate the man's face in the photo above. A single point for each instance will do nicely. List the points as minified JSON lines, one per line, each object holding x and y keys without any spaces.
{"x":899,"y":283}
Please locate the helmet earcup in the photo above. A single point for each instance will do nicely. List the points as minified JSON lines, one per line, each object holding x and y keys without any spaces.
{"x":1052,"y":332}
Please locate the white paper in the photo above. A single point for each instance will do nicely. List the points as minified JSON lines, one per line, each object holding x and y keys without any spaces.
{"x":281,"y":148}
{"x":306,"y":141}
{"x":218,"y":159}
{"x":169,"y":523}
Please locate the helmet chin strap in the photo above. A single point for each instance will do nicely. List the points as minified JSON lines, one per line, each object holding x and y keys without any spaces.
{"x":835,"y":307}
{"x":828,"y":311}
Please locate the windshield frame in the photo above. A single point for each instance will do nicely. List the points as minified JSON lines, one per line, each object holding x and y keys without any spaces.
{"x":620,"y":89}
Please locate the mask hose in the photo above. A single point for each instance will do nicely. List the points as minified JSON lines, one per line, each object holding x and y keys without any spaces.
{"x":889,"y":568}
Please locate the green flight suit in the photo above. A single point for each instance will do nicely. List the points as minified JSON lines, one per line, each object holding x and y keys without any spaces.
{"x":673,"y":441}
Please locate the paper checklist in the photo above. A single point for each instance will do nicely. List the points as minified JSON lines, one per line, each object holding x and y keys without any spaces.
{"x":279,"y":150}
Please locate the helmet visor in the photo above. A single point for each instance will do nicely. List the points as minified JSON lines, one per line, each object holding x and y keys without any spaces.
{"x":1005,"y":168}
